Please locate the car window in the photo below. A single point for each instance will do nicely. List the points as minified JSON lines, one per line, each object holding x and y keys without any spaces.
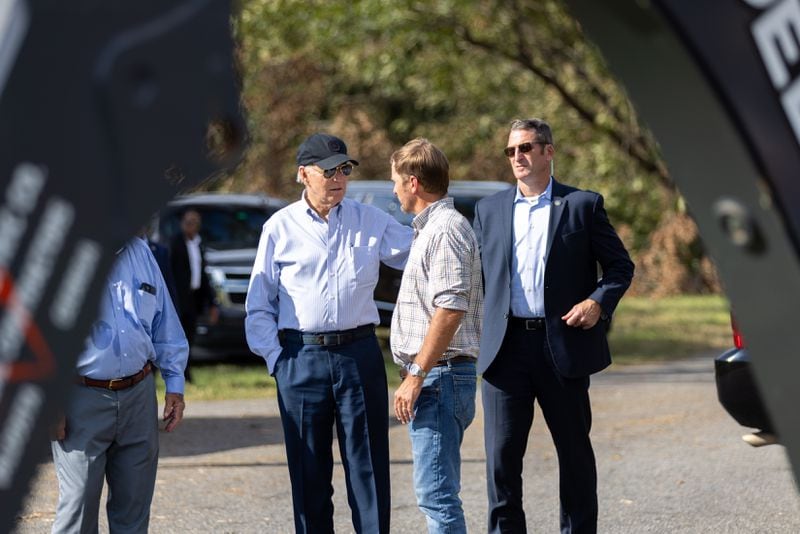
{"x":388,"y":203}
{"x":465,"y":204}
{"x":381,"y":196}
{"x":224,"y":227}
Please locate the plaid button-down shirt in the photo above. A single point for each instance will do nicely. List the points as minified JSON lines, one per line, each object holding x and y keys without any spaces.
{"x":443,"y":271}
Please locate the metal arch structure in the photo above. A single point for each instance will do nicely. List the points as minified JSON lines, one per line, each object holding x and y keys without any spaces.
{"x":718,"y":83}
{"x":107,"y":110}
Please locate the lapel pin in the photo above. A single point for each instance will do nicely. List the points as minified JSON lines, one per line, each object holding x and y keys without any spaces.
{"x":557,"y":202}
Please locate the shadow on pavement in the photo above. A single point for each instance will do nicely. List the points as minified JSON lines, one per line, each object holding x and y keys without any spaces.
{"x":203,"y":435}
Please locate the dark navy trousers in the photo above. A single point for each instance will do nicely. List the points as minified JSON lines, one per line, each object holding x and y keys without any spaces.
{"x":343,"y":385}
{"x":523,"y":372}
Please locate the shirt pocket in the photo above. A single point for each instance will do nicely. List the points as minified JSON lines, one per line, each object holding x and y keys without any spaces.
{"x":145,"y":308}
{"x":365,"y":265}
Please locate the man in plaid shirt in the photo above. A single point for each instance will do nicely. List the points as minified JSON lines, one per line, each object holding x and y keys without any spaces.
{"x":436,"y":331}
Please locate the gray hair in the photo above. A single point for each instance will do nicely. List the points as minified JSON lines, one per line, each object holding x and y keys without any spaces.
{"x":542,"y":129}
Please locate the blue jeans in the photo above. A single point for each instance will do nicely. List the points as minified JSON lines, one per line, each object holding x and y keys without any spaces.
{"x":444,"y":410}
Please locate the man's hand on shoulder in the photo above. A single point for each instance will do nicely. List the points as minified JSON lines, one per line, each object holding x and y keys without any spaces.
{"x":173,"y":410}
{"x":584,"y":314}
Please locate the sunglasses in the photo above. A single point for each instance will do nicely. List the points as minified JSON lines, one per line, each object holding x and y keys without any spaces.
{"x":509,"y":151}
{"x":345,"y":168}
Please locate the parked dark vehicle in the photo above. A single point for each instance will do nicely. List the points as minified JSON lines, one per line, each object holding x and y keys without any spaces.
{"x":738,"y":393}
{"x":379,"y":193}
{"x":231,"y":227}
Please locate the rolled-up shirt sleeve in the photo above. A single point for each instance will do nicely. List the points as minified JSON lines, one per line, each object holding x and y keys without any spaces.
{"x":450,"y":276}
{"x":261,"y":305}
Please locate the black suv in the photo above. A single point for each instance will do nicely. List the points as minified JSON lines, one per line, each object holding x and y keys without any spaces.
{"x":230,"y":232}
{"x":379,"y":193}
{"x":738,"y":393}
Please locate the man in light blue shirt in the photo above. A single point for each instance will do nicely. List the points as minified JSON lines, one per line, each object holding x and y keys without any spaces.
{"x":110,"y":427}
{"x":312,"y":317}
{"x":546,"y":312}
{"x":531,"y":220}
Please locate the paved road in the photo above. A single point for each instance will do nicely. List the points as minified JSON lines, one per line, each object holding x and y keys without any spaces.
{"x":669,"y":459}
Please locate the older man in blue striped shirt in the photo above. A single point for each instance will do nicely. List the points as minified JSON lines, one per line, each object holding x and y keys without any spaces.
{"x":110,"y":429}
{"x":311,"y":316}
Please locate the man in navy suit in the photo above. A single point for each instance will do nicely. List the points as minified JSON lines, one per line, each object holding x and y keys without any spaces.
{"x":546,"y":313}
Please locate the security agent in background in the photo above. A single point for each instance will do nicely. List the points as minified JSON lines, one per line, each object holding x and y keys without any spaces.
{"x":110,"y":428}
{"x":193,"y":289}
{"x":312,"y":317}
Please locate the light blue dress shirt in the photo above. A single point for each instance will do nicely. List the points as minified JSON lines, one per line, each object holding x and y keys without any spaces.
{"x":137,"y":323}
{"x":319,"y":276}
{"x":531,"y":222}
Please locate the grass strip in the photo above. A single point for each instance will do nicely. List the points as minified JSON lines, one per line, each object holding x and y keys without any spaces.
{"x":643,"y":330}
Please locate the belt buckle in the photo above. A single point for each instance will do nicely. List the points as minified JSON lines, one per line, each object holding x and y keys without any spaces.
{"x":331,"y":339}
{"x":111,"y":382}
{"x":532,"y":324}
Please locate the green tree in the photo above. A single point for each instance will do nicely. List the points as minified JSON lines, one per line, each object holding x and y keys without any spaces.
{"x":379,"y":73}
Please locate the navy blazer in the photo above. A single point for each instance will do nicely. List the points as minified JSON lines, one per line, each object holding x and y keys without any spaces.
{"x":579,"y":238}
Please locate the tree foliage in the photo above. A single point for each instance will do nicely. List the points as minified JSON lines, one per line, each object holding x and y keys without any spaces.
{"x":379,"y":73}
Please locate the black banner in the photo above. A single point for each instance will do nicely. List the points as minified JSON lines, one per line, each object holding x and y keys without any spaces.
{"x":751,"y":59}
{"x":107,"y":109}
{"x":718,"y":83}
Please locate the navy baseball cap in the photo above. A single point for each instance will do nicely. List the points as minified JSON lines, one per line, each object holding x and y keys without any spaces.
{"x":323,"y":150}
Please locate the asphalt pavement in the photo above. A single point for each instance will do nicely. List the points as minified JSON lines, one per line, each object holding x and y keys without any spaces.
{"x":670,"y":460}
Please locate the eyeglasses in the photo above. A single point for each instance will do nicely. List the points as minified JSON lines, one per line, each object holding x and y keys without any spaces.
{"x":509,"y":151}
{"x":345,"y":168}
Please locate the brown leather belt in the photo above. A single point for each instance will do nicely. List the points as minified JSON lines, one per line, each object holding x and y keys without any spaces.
{"x":116,"y":384}
{"x":442,"y":363}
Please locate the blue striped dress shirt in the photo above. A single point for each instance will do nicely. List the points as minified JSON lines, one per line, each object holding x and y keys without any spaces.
{"x":319,"y":276}
{"x":137,"y":323}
